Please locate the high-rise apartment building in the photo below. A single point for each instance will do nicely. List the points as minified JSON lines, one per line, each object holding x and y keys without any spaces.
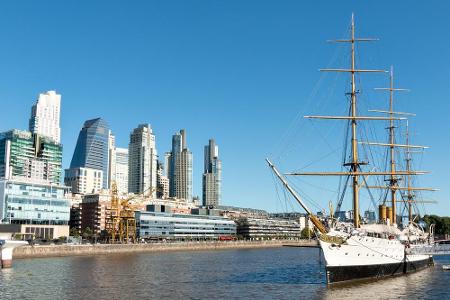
{"x":142,"y":161}
{"x":167,"y":163}
{"x":180,"y":168}
{"x":212,"y":173}
{"x":31,"y":156}
{"x":111,"y":159}
{"x":163,"y":183}
{"x":92,"y":148}
{"x":45,"y":115}
{"x":121,"y":169}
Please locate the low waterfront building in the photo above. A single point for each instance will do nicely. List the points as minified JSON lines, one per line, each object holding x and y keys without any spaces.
{"x":341,"y":215}
{"x":301,"y":218}
{"x":75,"y":213}
{"x":234,"y":212}
{"x":140,"y":202}
{"x":95,"y":209}
{"x":253,"y":228}
{"x":152,"y":225}
{"x":369,"y":217}
{"x":42,"y":209}
{"x":305,"y":222}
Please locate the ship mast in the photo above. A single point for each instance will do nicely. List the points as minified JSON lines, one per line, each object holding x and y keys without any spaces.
{"x":355,"y":163}
{"x":393,"y":182}
{"x":408,"y":167}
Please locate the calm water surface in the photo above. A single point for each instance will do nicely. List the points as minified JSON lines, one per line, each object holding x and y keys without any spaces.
{"x":279,"y":273}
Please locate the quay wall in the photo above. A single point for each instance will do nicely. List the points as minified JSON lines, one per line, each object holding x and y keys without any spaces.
{"x":98,"y":249}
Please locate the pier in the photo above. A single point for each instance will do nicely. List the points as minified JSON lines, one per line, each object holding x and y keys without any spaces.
{"x":103,"y":249}
{"x":8,"y":244}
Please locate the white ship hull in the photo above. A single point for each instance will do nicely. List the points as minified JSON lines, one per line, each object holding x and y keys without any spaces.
{"x":364,"y":257}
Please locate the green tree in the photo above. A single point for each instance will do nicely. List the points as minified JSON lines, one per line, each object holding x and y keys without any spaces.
{"x":74,"y":232}
{"x":87,"y":233}
{"x":442,"y":224}
{"x":306,"y":233}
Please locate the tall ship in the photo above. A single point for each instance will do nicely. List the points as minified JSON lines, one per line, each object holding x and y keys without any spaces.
{"x":355,"y":249}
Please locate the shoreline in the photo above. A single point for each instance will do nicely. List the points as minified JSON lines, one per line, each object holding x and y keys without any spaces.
{"x":104,"y":249}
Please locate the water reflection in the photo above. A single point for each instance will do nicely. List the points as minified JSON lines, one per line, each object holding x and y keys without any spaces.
{"x":281,"y":273}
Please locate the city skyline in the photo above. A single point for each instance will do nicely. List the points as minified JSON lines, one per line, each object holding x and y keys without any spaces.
{"x":249,"y":82}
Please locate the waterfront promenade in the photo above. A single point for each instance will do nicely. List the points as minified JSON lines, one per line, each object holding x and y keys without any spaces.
{"x":97,"y":249}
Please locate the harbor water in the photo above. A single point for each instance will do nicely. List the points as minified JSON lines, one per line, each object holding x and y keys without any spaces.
{"x":272,"y":273}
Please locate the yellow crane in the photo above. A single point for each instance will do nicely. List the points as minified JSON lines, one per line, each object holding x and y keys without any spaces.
{"x":121,"y":220}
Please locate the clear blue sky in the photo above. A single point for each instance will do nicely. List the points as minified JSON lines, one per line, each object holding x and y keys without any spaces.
{"x":238,"y":71}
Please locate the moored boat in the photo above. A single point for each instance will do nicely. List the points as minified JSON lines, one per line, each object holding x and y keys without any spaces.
{"x":355,"y":250}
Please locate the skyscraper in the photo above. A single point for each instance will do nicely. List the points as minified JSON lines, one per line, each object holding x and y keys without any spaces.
{"x":45,"y":115}
{"x":121,"y":175}
{"x":111,"y":159}
{"x":163,"y":183}
{"x":180,"y":168}
{"x":142,"y":161}
{"x":27,"y":155}
{"x":212,"y":173}
{"x":92,"y":148}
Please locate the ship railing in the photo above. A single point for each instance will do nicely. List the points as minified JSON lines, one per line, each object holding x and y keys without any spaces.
{"x":437,"y":249}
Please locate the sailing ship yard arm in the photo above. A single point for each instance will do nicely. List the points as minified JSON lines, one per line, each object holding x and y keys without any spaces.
{"x":356,"y":173}
{"x":352,"y":118}
{"x":393,"y":145}
{"x":312,"y":217}
{"x":403,"y":188}
{"x":392,"y":112}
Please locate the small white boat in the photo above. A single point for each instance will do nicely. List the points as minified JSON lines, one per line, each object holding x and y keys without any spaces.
{"x":446,"y":267}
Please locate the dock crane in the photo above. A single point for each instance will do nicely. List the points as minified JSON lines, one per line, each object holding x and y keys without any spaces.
{"x":121,"y":221}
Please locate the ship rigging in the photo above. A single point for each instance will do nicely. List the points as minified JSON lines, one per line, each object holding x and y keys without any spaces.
{"x":356,"y":250}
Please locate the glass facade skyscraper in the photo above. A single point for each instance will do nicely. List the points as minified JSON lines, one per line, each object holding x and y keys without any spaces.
{"x":32,"y":156}
{"x":92,"y":148}
{"x":180,"y":168}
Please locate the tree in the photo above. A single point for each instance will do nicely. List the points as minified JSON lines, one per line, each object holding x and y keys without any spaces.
{"x":74,"y":232}
{"x":87,"y":233}
{"x":306,"y":233}
{"x":442,"y":224}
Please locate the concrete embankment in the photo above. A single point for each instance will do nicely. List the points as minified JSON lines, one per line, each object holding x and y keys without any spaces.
{"x":76,"y":250}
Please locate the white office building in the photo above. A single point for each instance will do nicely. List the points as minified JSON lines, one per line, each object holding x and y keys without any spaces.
{"x":84,"y":180}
